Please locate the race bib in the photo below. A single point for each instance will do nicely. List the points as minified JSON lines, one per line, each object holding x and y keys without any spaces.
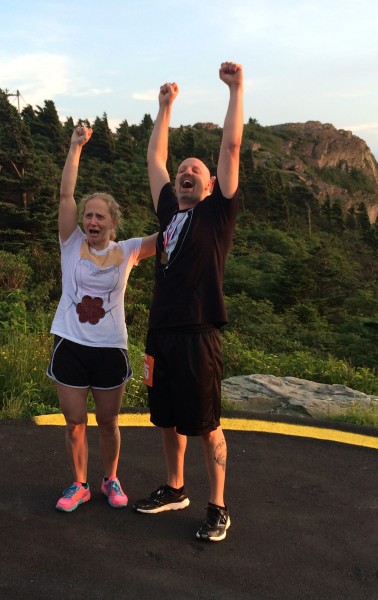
{"x":148,"y":370}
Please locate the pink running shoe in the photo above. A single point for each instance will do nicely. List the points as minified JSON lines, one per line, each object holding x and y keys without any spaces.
{"x":112,"y":489}
{"x":73,"y":496}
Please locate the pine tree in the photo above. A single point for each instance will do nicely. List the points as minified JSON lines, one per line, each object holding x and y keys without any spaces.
{"x":124,"y":143}
{"x":102,"y":141}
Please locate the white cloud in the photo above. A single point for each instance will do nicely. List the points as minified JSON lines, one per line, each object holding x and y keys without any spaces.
{"x":93,"y":92}
{"x":363,"y":127}
{"x":38,"y":76}
{"x":148,"y":95}
{"x":114,"y":124}
{"x":361,"y":92}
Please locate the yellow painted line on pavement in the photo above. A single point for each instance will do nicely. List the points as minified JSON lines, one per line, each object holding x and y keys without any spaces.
{"x":124,"y":420}
{"x":307,"y":431}
{"x":318,"y":433}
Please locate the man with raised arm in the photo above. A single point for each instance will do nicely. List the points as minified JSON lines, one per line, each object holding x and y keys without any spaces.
{"x":183,"y":361}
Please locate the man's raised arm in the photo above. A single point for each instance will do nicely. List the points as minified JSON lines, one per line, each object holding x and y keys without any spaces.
{"x":157,"y":153}
{"x":229,"y":156}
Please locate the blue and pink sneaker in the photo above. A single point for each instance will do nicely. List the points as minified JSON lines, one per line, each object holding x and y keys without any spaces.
{"x":73,"y":496}
{"x":112,"y":489}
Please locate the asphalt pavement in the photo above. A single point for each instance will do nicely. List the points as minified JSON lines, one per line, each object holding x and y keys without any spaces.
{"x":304,"y":520}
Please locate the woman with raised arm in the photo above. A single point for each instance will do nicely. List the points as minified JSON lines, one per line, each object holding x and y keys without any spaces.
{"x":90,"y":344}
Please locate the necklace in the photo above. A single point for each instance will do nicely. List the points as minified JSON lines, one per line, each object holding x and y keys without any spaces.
{"x":99,"y":256}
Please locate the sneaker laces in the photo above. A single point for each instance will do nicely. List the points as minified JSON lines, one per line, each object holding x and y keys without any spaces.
{"x":115,"y":487}
{"x":70,"y":491}
{"x":159,"y":492}
{"x":214,"y":516}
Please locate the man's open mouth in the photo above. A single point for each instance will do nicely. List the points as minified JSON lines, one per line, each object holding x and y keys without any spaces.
{"x":187,"y":184}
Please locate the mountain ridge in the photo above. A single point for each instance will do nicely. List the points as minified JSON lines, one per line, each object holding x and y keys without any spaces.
{"x":313,"y":152}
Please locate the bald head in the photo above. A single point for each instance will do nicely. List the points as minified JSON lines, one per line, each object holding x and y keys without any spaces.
{"x":193,"y":182}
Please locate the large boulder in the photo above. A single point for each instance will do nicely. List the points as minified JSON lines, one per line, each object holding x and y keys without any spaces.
{"x":291,"y":396}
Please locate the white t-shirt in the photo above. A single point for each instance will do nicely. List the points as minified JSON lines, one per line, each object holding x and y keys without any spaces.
{"x":91,"y":310}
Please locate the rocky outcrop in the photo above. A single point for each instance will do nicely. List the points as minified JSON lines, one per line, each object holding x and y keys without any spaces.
{"x":312,"y":146}
{"x":291,"y":396}
{"x":322,"y":145}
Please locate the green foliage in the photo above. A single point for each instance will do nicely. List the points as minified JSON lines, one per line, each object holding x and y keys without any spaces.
{"x":15,"y":140}
{"x":265,"y":137}
{"x":13,"y":312}
{"x":23,"y":383}
{"x":352,"y":180}
{"x":102,"y":141}
{"x":301,"y":279}
{"x":26,"y":390}
{"x":14,"y":272}
{"x":238,"y":360}
{"x":361,"y":414}
{"x":136,"y":391}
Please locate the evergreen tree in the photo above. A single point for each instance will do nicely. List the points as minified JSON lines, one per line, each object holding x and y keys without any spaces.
{"x":351,"y":223}
{"x":188,"y":147}
{"x":300,"y":275}
{"x":363,"y":221}
{"x":16,"y":152}
{"x":46,"y":129}
{"x":326,"y":213}
{"x":102,"y":141}
{"x":68,"y":128}
{"x":337,"y":217}
{"x":146,"y":125}
{"x":124,"y":143}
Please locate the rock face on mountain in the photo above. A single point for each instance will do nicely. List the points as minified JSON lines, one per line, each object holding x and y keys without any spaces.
{"x":291,"y":396}
{"x":309,"y":147}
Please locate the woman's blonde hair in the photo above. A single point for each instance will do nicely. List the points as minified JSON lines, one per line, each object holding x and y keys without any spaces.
{"x":113,"y":207}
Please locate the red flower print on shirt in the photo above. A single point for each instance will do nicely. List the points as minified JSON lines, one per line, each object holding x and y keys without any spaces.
{"x":90,"y":310}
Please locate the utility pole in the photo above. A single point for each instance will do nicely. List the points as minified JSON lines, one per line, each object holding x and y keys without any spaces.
{"x":18,"y":98}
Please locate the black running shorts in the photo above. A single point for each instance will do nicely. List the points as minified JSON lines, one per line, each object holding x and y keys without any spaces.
{"x":186,"y":379}
{"x":82,"y":366}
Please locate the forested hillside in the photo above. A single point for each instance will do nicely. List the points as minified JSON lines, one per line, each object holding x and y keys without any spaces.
{"x":302,"y":276}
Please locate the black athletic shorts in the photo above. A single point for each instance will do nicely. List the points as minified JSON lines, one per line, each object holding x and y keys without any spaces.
{"x":82,"y":366}
{"x":186,"y":379}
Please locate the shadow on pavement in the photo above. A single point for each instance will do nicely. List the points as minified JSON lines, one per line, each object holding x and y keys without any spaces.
{"x":304,"y":522}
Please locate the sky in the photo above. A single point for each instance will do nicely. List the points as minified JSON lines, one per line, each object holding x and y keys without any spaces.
{"x":302,"y":60}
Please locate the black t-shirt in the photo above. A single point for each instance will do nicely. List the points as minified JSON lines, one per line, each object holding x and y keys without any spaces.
{"x":188,"y":288}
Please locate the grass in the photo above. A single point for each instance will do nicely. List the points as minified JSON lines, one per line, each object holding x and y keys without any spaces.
{"x":25,"y":390}
{"x":360,"y":414}
{"x":24,"y":386}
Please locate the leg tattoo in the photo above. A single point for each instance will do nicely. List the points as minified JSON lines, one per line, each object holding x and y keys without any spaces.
{"x":220,"y":454}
